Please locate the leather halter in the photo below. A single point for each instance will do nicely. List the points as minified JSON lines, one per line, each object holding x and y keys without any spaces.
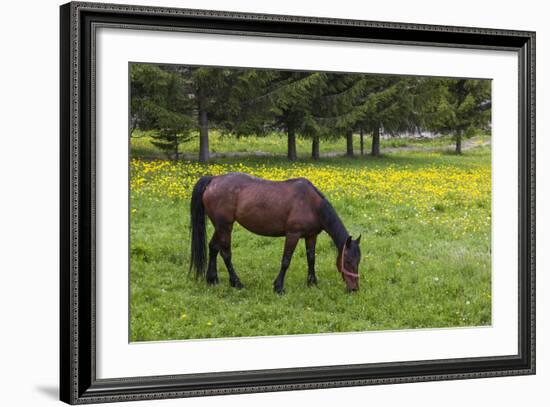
{"x":343,"y":268}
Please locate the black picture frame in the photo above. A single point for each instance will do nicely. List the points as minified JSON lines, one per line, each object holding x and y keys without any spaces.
{"x":78,"y":382}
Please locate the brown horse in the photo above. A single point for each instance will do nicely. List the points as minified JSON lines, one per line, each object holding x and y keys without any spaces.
{"x":293,"y":208}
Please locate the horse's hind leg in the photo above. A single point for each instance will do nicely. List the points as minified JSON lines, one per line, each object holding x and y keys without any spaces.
{"x":290,"y":245}
{"x":310,"y":252}
{"x":224,"y":241}
{"x":212,"y":272}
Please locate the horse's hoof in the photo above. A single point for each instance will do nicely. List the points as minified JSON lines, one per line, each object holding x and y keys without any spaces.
{"x":212,"y":281}
{"x":312,"y":282}
{"x":279,"y":290}
{"x":237,"y":284}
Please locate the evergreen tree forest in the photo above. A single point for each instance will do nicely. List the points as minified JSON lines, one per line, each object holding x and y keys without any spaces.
{"x":176,"y":103}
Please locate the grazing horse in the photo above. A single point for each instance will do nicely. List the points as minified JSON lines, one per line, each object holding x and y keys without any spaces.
{"x":293,"y":208}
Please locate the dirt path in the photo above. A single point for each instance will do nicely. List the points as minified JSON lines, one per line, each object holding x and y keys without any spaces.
{"x":466,"y":145}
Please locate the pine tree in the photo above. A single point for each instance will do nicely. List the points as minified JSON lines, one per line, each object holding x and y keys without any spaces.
{"x":206,"y":97}
{"x":158,"y":102}
{"x":212,"y":92}
{"x":290,"y":97}
{"x":246,"y":109}
{"x":392,"y":108}
{"x":333,"y":99}
{"x":209,"y":86}
{"x":336,"y":104}
{"x":460,"y":107}
{"x":363,"y":102}
{"x":381,"y":103}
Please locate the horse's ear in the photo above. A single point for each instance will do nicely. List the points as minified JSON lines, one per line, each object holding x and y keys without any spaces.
{"x":358,"y":239}
{"x":348,"y":241}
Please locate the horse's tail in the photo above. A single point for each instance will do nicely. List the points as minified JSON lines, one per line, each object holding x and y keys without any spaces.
{"x":198,"y":228}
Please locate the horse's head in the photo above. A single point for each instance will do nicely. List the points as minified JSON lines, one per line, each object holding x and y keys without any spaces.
{"x":348,"y":263}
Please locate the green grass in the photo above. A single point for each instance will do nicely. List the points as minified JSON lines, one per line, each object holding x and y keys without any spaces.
{"x":416,"y":272}
{"x":275,"y":143}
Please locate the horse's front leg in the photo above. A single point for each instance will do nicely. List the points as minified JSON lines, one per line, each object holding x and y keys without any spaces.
{"x":290,"y":244}
{"x":310,"y":253}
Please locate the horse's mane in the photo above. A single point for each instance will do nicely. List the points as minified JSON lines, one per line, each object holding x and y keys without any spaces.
{"x":330,"y":221}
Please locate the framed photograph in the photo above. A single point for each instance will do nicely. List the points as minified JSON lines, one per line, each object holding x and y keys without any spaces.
{"x":255,"y":203}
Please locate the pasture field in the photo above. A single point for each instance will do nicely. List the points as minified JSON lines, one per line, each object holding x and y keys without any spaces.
{"x":276,"y":144}
{"x":425,"y":220}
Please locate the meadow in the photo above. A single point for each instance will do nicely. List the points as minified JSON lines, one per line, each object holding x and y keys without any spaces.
{"x":275,"y":144}
{"x":425,"y":220}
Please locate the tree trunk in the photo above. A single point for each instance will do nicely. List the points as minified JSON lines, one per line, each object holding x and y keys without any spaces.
{"x":204,"y":152}
{"x":362,"y":138}
{"x":375,"y":151}
{"x":458,"y":147}
{"x":176,"y":145}
{"x":349,"y":143}
{"x":315,"y":148}
{"x":291,"y":151}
